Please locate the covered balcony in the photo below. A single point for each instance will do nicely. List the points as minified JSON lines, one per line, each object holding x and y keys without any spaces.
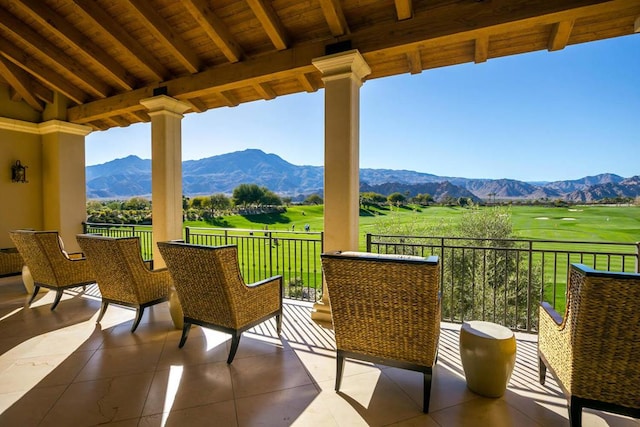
{"x":68,"y":68}
{"x":60,"y":368}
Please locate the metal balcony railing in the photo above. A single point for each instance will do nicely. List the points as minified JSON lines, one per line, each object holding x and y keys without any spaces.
{"x":502,"y":281}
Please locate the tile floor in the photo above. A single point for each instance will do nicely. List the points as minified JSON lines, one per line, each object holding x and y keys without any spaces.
{"x":62,"y":369}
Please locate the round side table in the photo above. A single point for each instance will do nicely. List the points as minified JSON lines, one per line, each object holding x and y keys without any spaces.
{"x":488,"y":354}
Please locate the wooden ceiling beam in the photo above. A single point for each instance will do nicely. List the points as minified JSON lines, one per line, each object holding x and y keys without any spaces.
{"x":264,"y":90}
{"x":404,"y":9}
{"x":435,"y":28}
{"x":215,"y":29}
{"x":270,"y":22}
{"x":46,"y":75}
{"x":47,"y":49}
{"x":560,"y":33}
{"x":481,"y":51}
{"x":165,"y":35}
{"x":55,"y":23}
{"x":120,"y":37}
{"x":334,"y":15}
{"x":20,"y":82}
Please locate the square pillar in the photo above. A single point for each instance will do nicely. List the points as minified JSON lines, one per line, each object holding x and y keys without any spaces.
{"x":166,"y":169}
{"x":64,"y":194}
{"x":342,"y":74}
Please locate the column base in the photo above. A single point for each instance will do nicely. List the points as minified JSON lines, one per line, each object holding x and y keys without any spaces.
{"x":321,"y":314}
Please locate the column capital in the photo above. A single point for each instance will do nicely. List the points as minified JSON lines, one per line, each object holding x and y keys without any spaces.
{"x":341,"y":65}
{"x":164,"y":104}
{"x":59,"y":126}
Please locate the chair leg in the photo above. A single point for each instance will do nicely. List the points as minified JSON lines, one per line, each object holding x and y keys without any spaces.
{"x":185,"y":333}
{"x":427,"y":392}
{"x":575,"y":412}
{"x":235,"y":340}
{"x":36,"y":289}
{"x":339,"y":369}
{"x":139,"y":312}
{"x":57,"y":300}
{"x":103,"y":309}
{"x":542,"y":371}
{"x":279,"y":323}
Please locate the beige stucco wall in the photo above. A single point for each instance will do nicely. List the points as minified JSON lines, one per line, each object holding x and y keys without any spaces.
{"x":21,"y":203}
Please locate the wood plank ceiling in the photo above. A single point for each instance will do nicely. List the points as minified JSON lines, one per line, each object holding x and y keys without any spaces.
{"x":105,"y":56}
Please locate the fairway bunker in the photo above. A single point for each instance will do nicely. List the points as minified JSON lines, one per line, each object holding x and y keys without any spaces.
{"x":542,"y":217}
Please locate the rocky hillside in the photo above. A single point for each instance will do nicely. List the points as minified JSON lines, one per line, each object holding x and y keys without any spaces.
{"x":131,"y":176}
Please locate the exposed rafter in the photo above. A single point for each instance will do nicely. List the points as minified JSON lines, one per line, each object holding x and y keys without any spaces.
{"x":44,"y":74}
{"x":264,"y":90}
{"x":66,"y":31}
{"x":270,"y":22}
{"x":415,"y":61}
{"x":481,"y":52}
{"x":560,"y":33}
{"x":118,"y":36}
{"x":215,"y":29}
{"x":20,"y":82}
{"x":47,"y":49}
{"x":165,"y":34}
{"x":404,"y":9}
{"x":335,"y":17}
{"x":307,"y":83}
{"x":229,"y":98}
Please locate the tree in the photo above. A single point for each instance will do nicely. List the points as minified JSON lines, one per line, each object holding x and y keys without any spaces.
{"x":247,"y":194}
{"x":423,"y":199}
{"x":396,"y":198}
{"x":136,"y":203}
{"x":313,"y":199}
{"x":269,"y":198}
{"x":219,"y":202}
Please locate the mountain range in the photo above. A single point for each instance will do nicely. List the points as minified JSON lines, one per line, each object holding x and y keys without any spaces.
{"x":131,"y":176}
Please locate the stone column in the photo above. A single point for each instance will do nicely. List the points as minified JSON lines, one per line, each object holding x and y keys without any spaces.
{"x":166,"y":169}
{"x":64,"y":194}
{"x":342,"y":74}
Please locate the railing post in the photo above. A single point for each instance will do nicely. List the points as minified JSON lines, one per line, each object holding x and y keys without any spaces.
{"x":271,"y":247}
{"x":637,"y":257}
{"x":368,"y":242}
{"x":187,"y":235}
{"x":530,"y":277}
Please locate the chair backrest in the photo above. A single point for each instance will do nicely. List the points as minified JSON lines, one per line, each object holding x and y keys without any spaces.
{"x":603,"y":314}
{"x":117,"y":263}
{"x":385,"y":305}
{"x":42,"y":253}
{"x":207,"y":280}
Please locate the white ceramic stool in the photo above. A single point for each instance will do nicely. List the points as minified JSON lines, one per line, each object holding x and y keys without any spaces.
{"x":488,"y":354}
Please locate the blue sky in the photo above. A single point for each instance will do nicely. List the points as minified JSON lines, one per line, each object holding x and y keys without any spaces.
{"x":542,"y":116}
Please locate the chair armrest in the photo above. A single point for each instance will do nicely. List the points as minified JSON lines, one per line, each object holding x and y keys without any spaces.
{"x":265,"y":281}
{"x":552,"y":313}
{"x":75,"y":255}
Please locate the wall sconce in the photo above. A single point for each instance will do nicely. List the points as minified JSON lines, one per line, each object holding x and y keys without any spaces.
{"x":18,"y":172}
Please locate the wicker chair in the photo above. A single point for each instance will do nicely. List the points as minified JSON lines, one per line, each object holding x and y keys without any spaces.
{"x":213,"y":294}
{"x":50,"y":266}
{"x":122,"y":275}
{"x":594,"y":351}
{"x":386,"y":310}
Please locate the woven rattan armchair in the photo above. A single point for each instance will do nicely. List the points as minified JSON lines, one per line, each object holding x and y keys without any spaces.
{"x":386,"y":310}
{"x":50,"y":266}
{"x":213,"y":294}
{"x":594,"y":350}
{"x":122,"y":275}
